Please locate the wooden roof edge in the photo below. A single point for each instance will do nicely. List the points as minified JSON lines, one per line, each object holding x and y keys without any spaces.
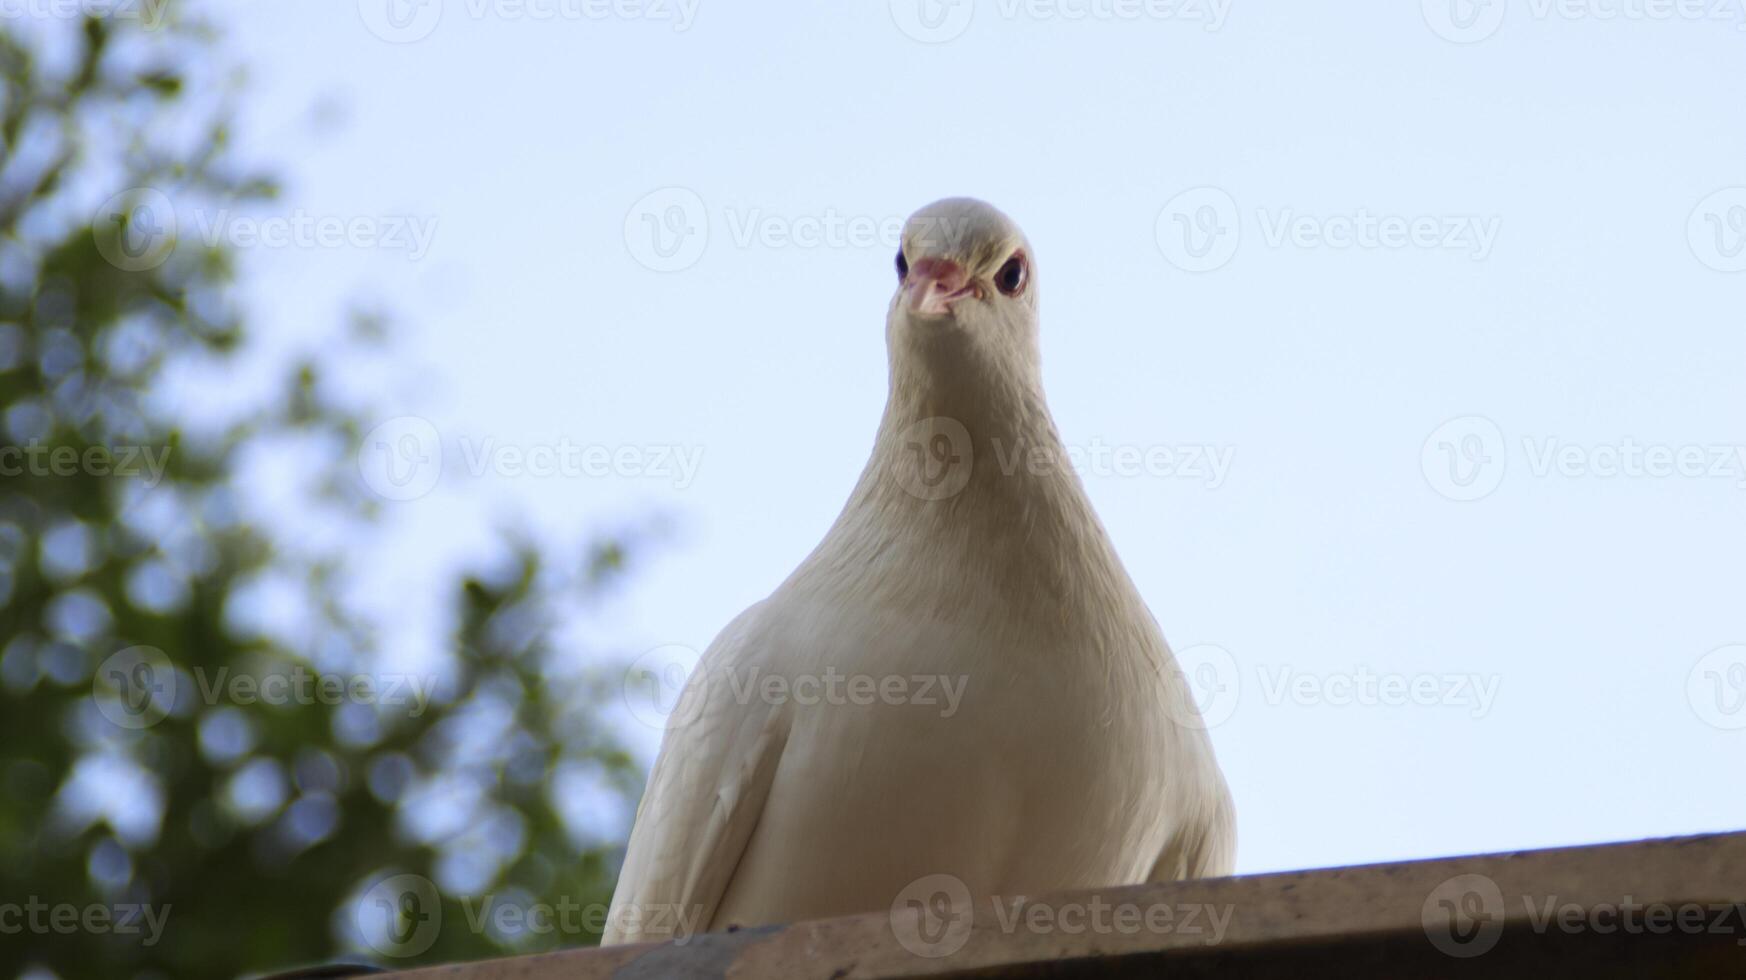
{"x":1449,"y":908}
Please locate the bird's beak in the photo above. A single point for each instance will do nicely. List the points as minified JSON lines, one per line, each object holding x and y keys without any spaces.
{"x":934,"y":285}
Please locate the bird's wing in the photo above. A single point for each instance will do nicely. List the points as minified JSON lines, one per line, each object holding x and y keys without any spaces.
{"x":703,"y":800}
{"x":1203,"y":844}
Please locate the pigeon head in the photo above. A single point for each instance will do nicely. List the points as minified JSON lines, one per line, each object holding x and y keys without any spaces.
{"x":966,"y":290}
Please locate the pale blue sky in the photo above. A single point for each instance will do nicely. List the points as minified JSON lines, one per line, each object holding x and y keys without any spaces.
{"x":1571,"y":159}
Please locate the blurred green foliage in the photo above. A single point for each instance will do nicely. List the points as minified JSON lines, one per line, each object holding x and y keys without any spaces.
{"x":256,"y":830}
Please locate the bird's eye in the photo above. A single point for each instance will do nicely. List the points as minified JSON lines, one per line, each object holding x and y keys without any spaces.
{"x":1012,"y":276}
{"x":902,"y":267}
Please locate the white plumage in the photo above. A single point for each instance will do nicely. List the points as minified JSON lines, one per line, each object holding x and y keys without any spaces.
{"x":967,"y":556}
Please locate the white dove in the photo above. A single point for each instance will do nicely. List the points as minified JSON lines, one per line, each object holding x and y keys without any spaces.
{"x":1005,"y":708}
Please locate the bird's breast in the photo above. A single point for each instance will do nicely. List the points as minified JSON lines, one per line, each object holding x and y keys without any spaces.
{"x":924,"y":746}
